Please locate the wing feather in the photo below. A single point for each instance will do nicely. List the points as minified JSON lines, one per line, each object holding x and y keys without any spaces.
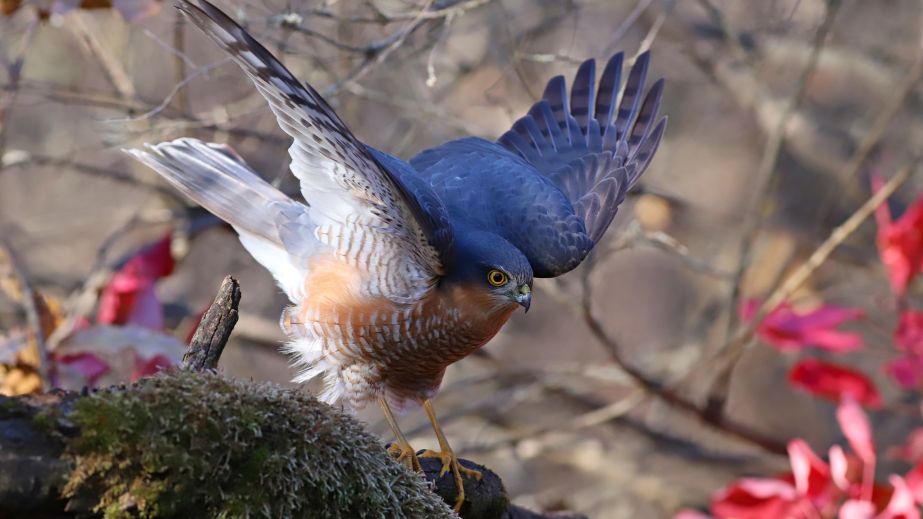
{"x":348,"y":190}
{"x":593,"y":155}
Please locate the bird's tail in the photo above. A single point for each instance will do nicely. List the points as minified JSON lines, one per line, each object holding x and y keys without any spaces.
{"x":216,"y":178}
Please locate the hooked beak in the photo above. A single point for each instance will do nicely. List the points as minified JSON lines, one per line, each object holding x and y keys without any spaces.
{"x":523,"y":296}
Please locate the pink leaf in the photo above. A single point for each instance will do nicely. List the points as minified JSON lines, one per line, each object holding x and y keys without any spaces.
{"x":690,"y":514}
{"x":832,"y":381}
{"x":856,"y":428}
{"x":812,"y":476}
{"x":909,"y":333}
{"x":855,"y":509}
{"x":839,"y":467}
{"x":902,"y":504}
{"x":906,"y":371}
{"x":914,"y":480}
{"x":912,"y":448}
{"x":87,"y":365}
{"x":790,"y":330}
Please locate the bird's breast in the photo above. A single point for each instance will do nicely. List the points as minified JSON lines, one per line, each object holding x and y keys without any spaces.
{"x":404,"y":348}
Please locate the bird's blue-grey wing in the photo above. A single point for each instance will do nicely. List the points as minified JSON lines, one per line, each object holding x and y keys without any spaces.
{"x":364,"y":210}
{"x":486,"y":186}
{"x":553,"y":183}
{"x":595,"y":144}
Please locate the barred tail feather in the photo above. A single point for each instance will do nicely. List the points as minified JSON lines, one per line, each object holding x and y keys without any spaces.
{"x":216,"y":178}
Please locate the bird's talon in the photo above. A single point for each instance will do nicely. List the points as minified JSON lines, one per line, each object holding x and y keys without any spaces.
{"x":470,"y":473}
{"x":450,"y":462}
{"x":405,"y":456}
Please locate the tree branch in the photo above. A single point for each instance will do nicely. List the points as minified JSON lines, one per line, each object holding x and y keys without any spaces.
{"x":215,"y":328}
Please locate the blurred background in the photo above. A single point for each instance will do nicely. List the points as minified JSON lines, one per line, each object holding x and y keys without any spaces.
{"x":780,"y":113}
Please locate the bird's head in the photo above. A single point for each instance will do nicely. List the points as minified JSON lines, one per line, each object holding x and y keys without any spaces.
{"x":487,"y":261}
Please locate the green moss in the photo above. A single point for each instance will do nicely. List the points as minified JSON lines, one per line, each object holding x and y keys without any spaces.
{"x":10,"y":407}
{"x":200,"y":445}
{"x":46,"y":420}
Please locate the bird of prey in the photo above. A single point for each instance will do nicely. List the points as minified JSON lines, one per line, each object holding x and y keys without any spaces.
{"x":398,"y":269}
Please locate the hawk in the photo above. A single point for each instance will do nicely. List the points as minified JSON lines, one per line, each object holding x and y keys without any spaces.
{"x":398,"y":269}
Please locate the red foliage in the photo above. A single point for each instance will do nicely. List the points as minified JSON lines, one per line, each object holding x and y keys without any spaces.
{"x":900,"y":242}
{"x":788,"y":330}
{"x":87,"y":365}
{"x":907,"y":370}
{"x":151,"y":366}
{"x":844,"y":489}
{"x":129,"y":298}
{"x":832,"y":381}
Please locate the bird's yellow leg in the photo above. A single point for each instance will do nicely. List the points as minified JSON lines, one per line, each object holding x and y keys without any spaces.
{"x":448,"y":457}
{"x":401,"y":450}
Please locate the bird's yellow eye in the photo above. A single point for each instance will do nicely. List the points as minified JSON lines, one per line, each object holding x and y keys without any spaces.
{"x":497,"y":278}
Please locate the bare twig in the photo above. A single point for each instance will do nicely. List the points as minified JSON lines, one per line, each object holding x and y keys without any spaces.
{"x":213,"y":332}
{"x":179,"y":61}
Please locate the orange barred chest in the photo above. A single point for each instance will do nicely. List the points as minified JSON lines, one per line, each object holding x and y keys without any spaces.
{"x":405,"y":348}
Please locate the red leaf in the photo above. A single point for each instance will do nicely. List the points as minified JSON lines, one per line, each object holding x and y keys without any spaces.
{"x":690,"y":514}
{"x":912,"y":448}
{"x":855,"y":426}
{"x":754,"y":499}
{"x":832,"y":381}
{"x":151,"y":366}
{"x":900,"y":242}
{"x":906,"y":371}
{"x":129,"y":298}
{"x":909,"y":333}
{"x":914,"y":480}
{"x":812,"y":476}
{"x":89,"y":366}
{"x":790,"y":330}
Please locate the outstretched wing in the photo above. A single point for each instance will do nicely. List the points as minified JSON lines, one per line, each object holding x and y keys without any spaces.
{"x":367,"y":212}
{"x":592,"y":152}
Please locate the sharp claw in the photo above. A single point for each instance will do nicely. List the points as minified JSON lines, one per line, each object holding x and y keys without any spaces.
{"x":405,"y":456}
{"x":450,"y":462}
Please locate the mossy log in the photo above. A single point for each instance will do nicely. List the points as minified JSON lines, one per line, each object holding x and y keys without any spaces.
{"x":194,"y":443}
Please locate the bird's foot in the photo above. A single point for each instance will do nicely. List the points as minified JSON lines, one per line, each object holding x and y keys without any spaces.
{"x":405,"y":455}
{"x":450,"y":462}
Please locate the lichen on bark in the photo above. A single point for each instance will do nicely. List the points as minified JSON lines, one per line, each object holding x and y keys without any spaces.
{"x":202,"y":445}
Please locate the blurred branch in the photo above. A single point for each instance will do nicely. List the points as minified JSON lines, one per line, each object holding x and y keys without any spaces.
{"x":179,"y":60}
{"x":28,"y":299}
{"x":667,"y":395}
{"x":881,"y":123}
{"x":731,"y":354}
{"x":377,"y":52}
{"x":626,"y":24}
{"x":116,"y":175}
{"x":457,"y":8}
{"x":765,"y":180}
{"x":11,"y":88}
{"x":111,"y":66}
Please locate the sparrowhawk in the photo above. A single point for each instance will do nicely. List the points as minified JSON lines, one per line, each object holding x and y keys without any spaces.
{"x":397,"y":269}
